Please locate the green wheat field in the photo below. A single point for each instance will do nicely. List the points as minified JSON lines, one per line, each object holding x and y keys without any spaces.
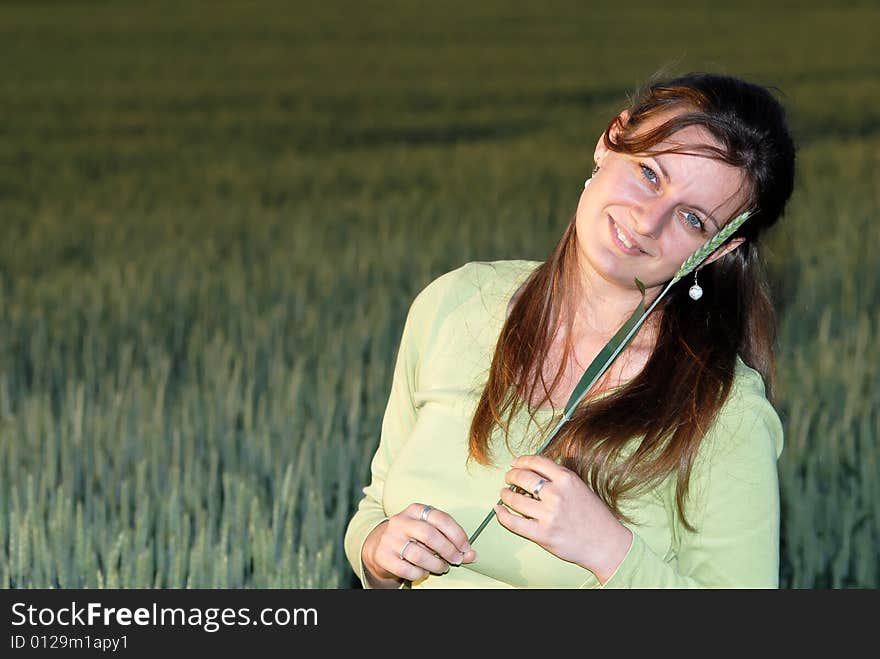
{"x":215,"y":215}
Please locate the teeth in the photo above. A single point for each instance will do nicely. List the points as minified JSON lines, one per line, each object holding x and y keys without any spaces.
{"x":622,"y":237}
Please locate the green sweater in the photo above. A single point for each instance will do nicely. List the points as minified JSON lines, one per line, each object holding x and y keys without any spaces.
{"x":442,"y":363}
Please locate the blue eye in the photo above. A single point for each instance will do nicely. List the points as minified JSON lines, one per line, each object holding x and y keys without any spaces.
{"x":649,"y":174}
{"x":693,"y":221}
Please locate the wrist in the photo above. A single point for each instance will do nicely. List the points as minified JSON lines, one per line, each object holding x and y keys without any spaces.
{"x":375,"y":576}
{"x":616,"y":550}
{"x":372,"y":581}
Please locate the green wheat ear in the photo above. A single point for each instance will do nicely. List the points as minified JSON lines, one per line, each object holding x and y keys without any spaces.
{"x":697,"y":257}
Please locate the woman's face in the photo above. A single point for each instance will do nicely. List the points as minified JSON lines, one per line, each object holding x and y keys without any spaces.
{"x":643,"y":215}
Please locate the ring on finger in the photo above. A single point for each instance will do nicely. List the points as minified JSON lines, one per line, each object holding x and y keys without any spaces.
{"x":538,"y":487}
{"x":403,"y":550}
{"x":425,"y":512}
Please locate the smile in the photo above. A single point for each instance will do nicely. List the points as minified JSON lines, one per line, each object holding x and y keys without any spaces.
{"x":623,"y":241}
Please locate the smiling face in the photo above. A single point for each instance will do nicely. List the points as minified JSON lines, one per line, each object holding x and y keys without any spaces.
{"x":643,"y":215}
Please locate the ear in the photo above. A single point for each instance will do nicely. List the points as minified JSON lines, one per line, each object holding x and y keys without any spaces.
{"x":724,"y":249}
{"x":601,"y":149}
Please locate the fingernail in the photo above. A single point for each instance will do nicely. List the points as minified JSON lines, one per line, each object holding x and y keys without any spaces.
{"x":465,"y":548}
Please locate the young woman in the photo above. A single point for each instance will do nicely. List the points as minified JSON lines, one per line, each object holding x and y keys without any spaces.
{"x":665,"y":475}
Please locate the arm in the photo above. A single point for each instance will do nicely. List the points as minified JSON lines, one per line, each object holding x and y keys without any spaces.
{"x":733,"y":503}
{"x":399,"y":418}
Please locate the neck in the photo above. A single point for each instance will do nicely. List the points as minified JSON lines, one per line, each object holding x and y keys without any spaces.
{"x":597,"y":308}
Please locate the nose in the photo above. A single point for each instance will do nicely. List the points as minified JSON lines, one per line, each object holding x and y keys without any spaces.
{"x":650,"y":215}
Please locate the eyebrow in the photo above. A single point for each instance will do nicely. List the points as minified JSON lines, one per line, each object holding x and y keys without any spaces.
{"x":669,"y":179}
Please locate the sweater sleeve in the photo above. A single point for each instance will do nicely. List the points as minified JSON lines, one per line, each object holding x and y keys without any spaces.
{"x":733,"y":501}
{"x":398,"y":420}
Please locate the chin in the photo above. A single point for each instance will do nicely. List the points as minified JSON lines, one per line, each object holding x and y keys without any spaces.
{"x":603,"y":263}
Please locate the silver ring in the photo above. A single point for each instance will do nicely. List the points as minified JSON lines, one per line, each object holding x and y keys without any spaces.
{"x":538,"y":487}
{"x":425,"y":512}
{"x":405,"y":545}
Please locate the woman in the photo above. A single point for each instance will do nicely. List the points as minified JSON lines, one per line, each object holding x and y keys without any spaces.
{"x":665,"y":475}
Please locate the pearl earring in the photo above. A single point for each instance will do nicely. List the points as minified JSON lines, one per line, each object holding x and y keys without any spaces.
{"x":695,"y":291}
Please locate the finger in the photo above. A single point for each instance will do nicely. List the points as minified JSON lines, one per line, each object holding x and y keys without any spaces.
{"x":434,"y":530}
{"x":521,"y":503}
{"x":414,"y":510}
{"x":405,"y":569}
{"x":520,"y":525}
{"x":540,"y":464}
{"x":423,"y":557}
{"x":435,"y":540}
{"x":526,"y":479}
{"x":453,"y":531}
{"x":469,"y":556}
{"x":446,"y":524}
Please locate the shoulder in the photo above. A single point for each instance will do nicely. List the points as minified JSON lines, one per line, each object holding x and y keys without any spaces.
{"x":475,"y":276}
{"x":747,"y":430}
{"x":447,"y":292}
{"x":460,"y":302}
{"x":748,"y":404}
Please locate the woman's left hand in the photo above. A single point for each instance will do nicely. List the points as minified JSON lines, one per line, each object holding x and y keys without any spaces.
{"x":566,"y":517}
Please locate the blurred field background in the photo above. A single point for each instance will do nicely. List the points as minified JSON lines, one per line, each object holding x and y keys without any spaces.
{"x":214,"y":217}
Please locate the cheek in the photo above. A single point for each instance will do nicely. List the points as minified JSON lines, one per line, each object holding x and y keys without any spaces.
{"x":589,"y":208}
{"x":679,"y":247}
{"x":582,"y":204}
{"x":581,"y":214}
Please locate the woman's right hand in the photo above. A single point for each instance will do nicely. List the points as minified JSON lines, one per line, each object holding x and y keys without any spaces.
{"x":438,"y":541}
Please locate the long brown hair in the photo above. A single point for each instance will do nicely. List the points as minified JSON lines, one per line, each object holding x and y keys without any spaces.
{"x":675,"y":398}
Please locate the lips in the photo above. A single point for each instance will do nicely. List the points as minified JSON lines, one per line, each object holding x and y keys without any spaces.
{"x":635,"y":250}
